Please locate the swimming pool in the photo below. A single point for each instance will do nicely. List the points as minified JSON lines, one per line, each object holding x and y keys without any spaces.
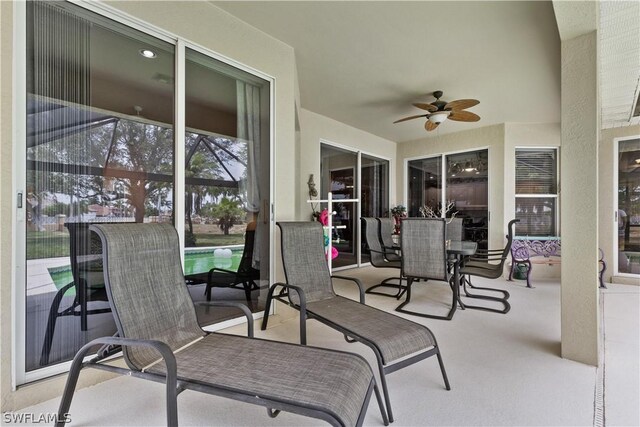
{"x":196,"y":260}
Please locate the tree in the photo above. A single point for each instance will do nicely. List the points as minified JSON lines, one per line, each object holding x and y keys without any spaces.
{"x":228,"y":213}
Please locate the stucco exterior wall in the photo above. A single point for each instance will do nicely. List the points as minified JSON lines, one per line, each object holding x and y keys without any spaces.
{"x":579,"y":198}
{"x":198,"y":22}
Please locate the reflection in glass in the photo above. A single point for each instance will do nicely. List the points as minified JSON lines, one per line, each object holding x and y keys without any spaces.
{"x":338,"y":172}
{"x":374,"y":196}
{"x":226,"y":185}
{"x":99,"y":148}
{"x":425,"y":184}
{"x":628,"y":217}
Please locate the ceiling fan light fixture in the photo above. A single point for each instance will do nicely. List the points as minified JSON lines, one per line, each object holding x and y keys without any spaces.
{"x":439,"y":117}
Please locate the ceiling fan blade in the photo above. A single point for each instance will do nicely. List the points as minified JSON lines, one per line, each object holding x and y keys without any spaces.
{"x":429,"y":126}
{"x":464,"y":116}
{"x":410,"y":118}
{"x":461,"y":104}
{"x":429,"y":107}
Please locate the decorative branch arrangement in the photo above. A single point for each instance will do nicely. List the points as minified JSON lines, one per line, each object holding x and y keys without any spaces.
{"x":429,"y":212}
{"x":313,"y":193}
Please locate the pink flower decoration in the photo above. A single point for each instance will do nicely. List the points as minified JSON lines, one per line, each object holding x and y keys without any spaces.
{"x":334,"y":253}
{"x":324,"y":217}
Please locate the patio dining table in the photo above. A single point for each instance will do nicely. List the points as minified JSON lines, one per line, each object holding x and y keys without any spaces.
{"x":458,"y":250}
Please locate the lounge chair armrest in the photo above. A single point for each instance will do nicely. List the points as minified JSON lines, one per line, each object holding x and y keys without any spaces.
{"x":356,"y":281}
{"x":299,"y":290}
{"x":303,"y":308}
{"x":245,"y":310}
{"x":165,"y":351}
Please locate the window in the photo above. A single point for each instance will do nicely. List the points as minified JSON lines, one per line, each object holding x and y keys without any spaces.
{"x":458,"y":182}
{"x":537,"y":192}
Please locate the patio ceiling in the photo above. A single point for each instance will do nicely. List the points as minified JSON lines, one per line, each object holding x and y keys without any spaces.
{"x":364,"y":63}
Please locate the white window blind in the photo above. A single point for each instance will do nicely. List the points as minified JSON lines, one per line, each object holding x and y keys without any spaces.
{"x":536,"y":172}
{"x":537,"y":192}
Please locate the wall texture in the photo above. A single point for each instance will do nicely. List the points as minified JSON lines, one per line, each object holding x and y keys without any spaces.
{"x":579,"y":198}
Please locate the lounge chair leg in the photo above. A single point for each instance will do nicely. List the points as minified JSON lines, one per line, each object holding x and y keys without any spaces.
{"x":265,"y":318}
{"x":383,"y":413}
{"x":385,"y":390}
{"x":444,"y":373}
{"x":70,"y":387}
{"x":272,"y":413}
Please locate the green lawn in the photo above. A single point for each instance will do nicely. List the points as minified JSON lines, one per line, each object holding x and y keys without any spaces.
{"x":51,"y":244}
{"x":47,"y":244}
{"x":219,"y":239}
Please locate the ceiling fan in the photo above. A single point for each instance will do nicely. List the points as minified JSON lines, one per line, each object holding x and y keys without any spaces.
{"x":439,"y":111}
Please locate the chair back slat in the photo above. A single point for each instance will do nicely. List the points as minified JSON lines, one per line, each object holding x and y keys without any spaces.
{"x":387,"y":227}
{"x":424,"y":253}
{"x":455,"y":230}
{"x":372,"y":239}
{"x":303,"y":259}
{"x":146,"y":288}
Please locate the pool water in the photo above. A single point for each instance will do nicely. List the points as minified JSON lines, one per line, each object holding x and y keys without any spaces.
{"x":195,"y":261}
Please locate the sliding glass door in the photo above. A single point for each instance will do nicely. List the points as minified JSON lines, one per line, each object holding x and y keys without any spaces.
{"x":350,"y":175}
{"x":226,"y":185}
{"x":101,"y":113}
{"x":628,"y":209}
{"x":452,"y":184}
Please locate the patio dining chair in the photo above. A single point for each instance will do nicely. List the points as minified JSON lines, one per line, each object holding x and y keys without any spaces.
{"x":488,"y":264}
{"x":424,"y":257}
{"x":396,"y":342}
{"x":381,"y":257}
{"x":387,"y":228}
{"x":162,"y":342}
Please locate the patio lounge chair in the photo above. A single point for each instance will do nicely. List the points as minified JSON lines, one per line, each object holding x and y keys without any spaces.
{"x":396,"y":342}
{"x":163,"y":342}
{"x":381,"y":257}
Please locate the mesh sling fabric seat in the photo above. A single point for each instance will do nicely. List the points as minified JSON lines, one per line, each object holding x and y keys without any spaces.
{"x":424,"y":256}
{"x":488,"y":264}
{"x":396,"y":342}
{"x":162,"y":341}
{"x":381,"y":257}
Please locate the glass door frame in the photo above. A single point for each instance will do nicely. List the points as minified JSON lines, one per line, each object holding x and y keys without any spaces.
{"x":358,"y":209}
{"x":615,"y":235}
{"x":18,"y":280}
{"x":443,"y":168}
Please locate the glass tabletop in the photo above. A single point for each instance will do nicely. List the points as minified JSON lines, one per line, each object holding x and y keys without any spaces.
{"x":464,"y":247}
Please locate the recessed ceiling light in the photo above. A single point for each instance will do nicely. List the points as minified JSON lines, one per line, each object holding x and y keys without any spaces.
{"x":147,"y":53}
{"x":638,"y":161}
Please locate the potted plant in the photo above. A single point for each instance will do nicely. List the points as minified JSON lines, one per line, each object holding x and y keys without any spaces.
{"x":398,"y":212}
